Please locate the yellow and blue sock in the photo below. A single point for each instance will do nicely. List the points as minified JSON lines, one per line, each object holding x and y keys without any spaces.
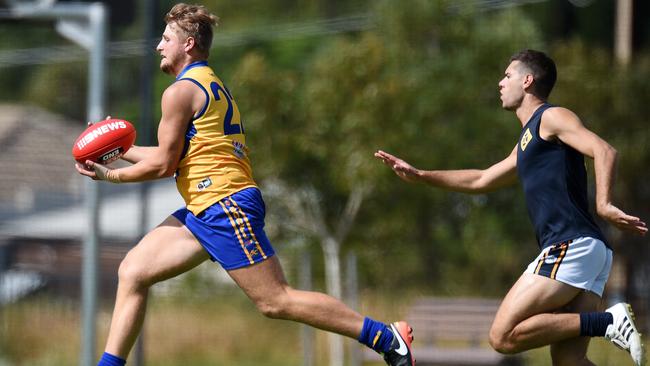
{"x":110,"y":360}
{"x":376,"y":335}
{"x":595,"y":324}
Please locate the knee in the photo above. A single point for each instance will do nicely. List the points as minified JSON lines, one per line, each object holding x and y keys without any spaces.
{"x":132,"y":274}
{"x":502,"y":341}
{"x":275,"y":307}
{"x":573,"y":355}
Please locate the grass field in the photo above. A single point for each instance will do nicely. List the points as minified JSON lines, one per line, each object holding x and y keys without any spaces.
{"x":217,"y":330}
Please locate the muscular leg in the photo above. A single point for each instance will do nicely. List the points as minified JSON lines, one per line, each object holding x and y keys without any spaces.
{"x":165,"y":252}
{"x":526,"y":318}
{"x":574,"y":351}
{"x":265,"y":285}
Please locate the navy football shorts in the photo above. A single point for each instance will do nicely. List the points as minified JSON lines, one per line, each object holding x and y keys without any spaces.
{"x":231,"y":230}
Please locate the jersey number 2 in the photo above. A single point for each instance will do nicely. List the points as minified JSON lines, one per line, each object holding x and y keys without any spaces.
{"x":228,"y":127}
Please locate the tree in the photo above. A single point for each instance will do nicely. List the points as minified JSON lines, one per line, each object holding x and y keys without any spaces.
{"x":421,"y":83}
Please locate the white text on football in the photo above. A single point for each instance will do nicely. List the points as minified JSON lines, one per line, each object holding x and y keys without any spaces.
{"x":90,"y":136}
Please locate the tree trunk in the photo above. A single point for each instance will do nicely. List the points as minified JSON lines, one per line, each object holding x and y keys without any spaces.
{"x":623,"y":31}
{"x":331,"y":249}
{"x":306,"y":216}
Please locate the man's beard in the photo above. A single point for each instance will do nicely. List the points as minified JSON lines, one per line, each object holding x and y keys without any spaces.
{"x":166,"y":67}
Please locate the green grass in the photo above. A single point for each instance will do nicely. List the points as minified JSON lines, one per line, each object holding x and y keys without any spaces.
{"x":221,"y":330}
{"x":601,"y":352}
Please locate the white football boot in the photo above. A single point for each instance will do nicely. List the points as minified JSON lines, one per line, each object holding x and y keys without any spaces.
{"x":623,"y":333}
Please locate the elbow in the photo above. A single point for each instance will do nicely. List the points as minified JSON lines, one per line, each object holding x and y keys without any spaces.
{"x":478,"y":186}
{"x":164,"y":169}
{"x":612,"y":152}
{"x":167,"y":171}
{"x":607,"y":154}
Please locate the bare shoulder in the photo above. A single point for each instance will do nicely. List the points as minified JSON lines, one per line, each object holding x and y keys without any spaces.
{"x":559,"y":115}
{"x":182,"y":89}
{"x":558,"y":119}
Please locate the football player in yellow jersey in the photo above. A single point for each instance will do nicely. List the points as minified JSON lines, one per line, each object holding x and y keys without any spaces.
{"x":201,"y":141}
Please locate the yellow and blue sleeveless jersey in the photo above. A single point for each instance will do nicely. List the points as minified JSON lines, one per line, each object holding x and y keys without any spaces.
{"x":214,"y":163}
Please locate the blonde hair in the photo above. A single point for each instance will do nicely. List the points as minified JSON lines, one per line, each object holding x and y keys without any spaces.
{"x":196,"y":21}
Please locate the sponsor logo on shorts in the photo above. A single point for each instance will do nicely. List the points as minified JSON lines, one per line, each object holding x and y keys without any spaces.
{"x":252,"y":249}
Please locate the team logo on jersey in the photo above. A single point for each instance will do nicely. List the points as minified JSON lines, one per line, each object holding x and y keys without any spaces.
{"x":525,"y":139}
{"x":239,"y":149}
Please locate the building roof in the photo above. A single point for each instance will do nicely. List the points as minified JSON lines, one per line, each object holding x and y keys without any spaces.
{"x":42,"y":195}
{"x":35,"y":158}
{"x":119,"y":214}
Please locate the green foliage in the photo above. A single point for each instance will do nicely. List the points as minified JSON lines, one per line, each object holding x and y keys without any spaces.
{"x":60,"y":88}
{"x":422,"y":84}
{"x":405,"y":87}
{"x":613,"y":100}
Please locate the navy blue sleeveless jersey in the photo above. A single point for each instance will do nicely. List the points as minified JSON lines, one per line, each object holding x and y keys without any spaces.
{"x":554,"y":179}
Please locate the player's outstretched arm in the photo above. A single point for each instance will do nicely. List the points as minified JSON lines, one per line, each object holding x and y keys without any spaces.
{"x":499,"y":175}
{"x":564,"y":125}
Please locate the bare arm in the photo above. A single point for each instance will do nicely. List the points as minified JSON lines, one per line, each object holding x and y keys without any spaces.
{"x":501,"y":174}
{"x":137,"y":153}
{"x":152,"y":162}
{"x":564,"y":125}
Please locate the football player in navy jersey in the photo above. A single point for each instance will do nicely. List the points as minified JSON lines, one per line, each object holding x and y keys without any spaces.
{"x":557,"y":300}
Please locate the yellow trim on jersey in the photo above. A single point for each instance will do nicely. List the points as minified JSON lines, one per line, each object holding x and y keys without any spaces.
{"x":215,"y":160}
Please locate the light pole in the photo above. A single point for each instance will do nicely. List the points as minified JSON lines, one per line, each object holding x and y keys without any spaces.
{"x":86,"y":25}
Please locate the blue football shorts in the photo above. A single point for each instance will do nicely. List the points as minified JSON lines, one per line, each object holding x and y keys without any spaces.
{"x":583,"y":262}
{"x":231,"y":230}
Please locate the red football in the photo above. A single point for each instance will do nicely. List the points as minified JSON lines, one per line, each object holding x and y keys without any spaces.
{"x":104,"y":142}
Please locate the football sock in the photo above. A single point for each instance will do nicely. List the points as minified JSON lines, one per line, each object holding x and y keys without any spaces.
{"x":595,"y":324}
{"x":376,"y":335}
{"x":110,"y":360}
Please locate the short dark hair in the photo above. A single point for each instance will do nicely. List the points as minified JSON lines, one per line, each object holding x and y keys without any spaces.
{"x":196,"y":21}
{"x":543,"y":69}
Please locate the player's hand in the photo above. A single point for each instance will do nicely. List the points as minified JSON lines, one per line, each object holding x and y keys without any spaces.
{"x":403,"y":169}
{"x":87,"y":170}
{"x":90,"y":123}
{"x":98,"y":172}
{"x":621,"y":220}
